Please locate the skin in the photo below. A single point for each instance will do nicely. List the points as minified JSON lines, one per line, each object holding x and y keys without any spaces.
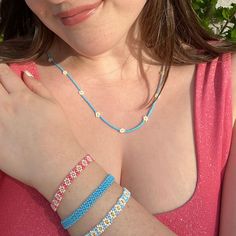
{"x":102,"y":38}
{"x":47,"y":142}
{"x":102,"y":46}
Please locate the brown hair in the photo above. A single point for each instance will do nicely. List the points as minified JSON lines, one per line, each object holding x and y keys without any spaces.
{"x":169,"y":32}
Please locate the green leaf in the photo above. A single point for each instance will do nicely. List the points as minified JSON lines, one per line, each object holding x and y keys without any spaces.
{"x":226,"y":13}
{"x":233,"y":34}
{"x":223,"y":19}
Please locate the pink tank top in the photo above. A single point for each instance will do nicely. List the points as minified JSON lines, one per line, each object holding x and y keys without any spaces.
{"x":23,"y":211}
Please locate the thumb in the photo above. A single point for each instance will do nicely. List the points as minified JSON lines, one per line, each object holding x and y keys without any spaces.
{"x":36,"y":86}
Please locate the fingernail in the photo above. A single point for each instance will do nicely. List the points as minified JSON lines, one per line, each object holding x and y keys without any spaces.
{"x":28,"y":73}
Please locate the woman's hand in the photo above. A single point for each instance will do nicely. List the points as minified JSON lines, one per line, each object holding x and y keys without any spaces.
{"x":37,"y":146}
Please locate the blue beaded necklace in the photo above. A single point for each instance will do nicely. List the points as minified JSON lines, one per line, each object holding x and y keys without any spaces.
{"x":97,"y":114}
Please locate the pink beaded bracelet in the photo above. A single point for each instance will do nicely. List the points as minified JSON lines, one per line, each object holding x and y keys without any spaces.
{"x":74,"y":173}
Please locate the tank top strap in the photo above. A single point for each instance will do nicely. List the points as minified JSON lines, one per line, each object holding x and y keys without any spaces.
{"x":213,"y":109}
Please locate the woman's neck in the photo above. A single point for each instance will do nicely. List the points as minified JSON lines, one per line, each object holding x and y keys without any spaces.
{"x":114,"y":65}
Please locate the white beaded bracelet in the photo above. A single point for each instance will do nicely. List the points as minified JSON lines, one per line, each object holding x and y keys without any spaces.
{"x":111,"y":215}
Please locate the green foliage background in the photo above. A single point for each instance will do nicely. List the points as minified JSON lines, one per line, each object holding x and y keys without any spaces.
{"x":222,"y":20}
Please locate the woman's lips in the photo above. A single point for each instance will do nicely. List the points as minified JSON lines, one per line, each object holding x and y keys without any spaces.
{"x":73,"y":20}
{"x":79,"y":14}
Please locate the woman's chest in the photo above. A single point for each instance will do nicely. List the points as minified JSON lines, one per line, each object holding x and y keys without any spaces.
{"x":157,"y":163}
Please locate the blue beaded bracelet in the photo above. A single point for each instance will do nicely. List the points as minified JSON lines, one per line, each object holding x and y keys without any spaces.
{"x":88,"y":203}
{"x":111,"y":215}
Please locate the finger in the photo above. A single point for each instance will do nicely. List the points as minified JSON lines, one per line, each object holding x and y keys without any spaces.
{"x":9,"y":80}
{"x":4,"y":96}
{"x":36,"y":86}
{"x":3,"y":92}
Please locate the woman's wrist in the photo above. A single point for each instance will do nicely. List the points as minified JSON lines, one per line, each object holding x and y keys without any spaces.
{"x":79,"y":192}
{"x":53,"y":176}
{"x":80,"y":189}
{"x":133,"y":219}
{"x":76,"y":193}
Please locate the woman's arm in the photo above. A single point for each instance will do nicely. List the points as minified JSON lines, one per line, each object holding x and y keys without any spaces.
{"x":228,"y":203}
{"x":38,"y":148}
{"x":133,"y":220}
